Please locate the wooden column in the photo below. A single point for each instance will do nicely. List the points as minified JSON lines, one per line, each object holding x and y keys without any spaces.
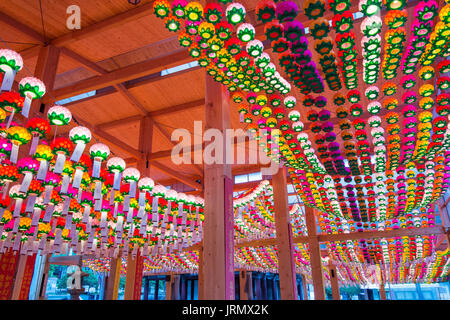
{"x":46,"y":66}
{"x":218,"y":233}
{"x":382,"y":292}
{"x":20,"y":269}
{"x":242,"y":284}
{"x":176,"y":287}
{"x":145,"y":145}
{"x":334,"y":281}
{"x":305,"y":288}
{"x":133,"y":282}
{"x":314,"y":253}
{"x":201,"y":295}
{"x":112,"y":282}
{"x":286,"y":262}
{"x":169,"y":282}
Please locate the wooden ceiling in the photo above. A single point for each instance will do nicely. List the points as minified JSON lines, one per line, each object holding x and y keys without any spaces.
{"x":119,"y":51}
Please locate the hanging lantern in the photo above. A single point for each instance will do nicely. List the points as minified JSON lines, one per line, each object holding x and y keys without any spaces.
{"x":18,"y":136}
{"x":61,"y":148}
{"x":10,"y":63}
{"x":11,"y":102}
{"x":161,"y":8}
{"x":14,"y":193}
{"x":255,"y":48}
{"x":319,"y":28}
{"x":178,"y":8}
{"x":28,"y":167}
{"x":172,"y":23}
{"x":38,"y":128}
{"x":131,"y":176}
{"x":192,"y":27}
{"x":116,"y":166}
{"x":30,"y":88}
{"x":245,"y":32}
{"x":99,"y":152}
{"x":44,"y":155}
{"x":286,"y":11}
{"x":265,"y":10}
{"x":83,"y":165}
{"x":233,"y":45}
{"x":58,"y":115}
{"x":194,"y":11}
{"x":235,"y":13}
{"x":80,"y":136}
{"x":370,"y":7}
{"x":224,"y":30}
{"x":5,"y":149}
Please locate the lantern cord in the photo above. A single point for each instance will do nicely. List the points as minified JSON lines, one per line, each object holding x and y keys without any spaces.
{"x":42,"y":22}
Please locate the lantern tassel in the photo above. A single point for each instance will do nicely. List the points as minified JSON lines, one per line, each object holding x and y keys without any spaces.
{"x":155,"y":215}
{"x":68,"y":222}
{"x":26,"y":182}
{"x":36,"y":217}
{"x":87,"y":210}
{"x":98,"y":190}
{"x":126,"y":203}
{"x":34,"y":144}
{"x":48,"y":213}
{"x":14,"y":153}
{"x":77,"y":178}
{"x":116,"y":207}
{"x":59,"y":165}
{"x":48,"y":194}
{"x":141,"y":198}
{"x":17,"y":208}
{"x":30,"y":203}
{"x":66,"y":206}
{"x":26,"y":106}
{"x":78,"y":151}
{"x":96,"y":168}
{"x":65,"y":184}
{"x":5,"y":189}
{"x":98,"y":204}
{"x":132,"y":189}
{"x":42,"y":172}
{"x":111,"y":197}
{"x":117,"y":179}
{"x":241,"y":117}
{"x":8,"y":79}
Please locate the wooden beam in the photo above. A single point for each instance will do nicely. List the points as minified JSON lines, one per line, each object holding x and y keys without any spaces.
{"x":120,"y":122}
{"x":120,"y":75}
{"x":381,"y":234}
{"x":111,"y":139}
{"x":286,"y":262}
{"x":46,"y":66}
{"x":133,"y":281}
{"x":19,"y":26}
{"x":218,"y":232}
{"x":107,"y":24}
{"x":145,"y":144}
{"x":112,"y":283}
{"x":176,"y":175}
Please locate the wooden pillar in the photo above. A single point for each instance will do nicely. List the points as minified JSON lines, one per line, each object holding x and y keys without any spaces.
{"x":112,"y":282}
{"x":242,"y":284}
{"x":200,"y":274}
{"x":133,"y":282}
{"x":305,"y":287}
{"x":46,"y":66}
{"x":334,"y":281}
{"x":218,"y":233}
{"x":382,"y":292}
{"x":314,"y":253}
{"x":286,"y":262}
{"x":20,"y":270}
{"x":176,"y":287}
{"x":169,"y":282}
{"x":145,"y":145}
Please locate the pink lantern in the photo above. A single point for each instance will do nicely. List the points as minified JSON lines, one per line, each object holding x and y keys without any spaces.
{"x":27,"y":166}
